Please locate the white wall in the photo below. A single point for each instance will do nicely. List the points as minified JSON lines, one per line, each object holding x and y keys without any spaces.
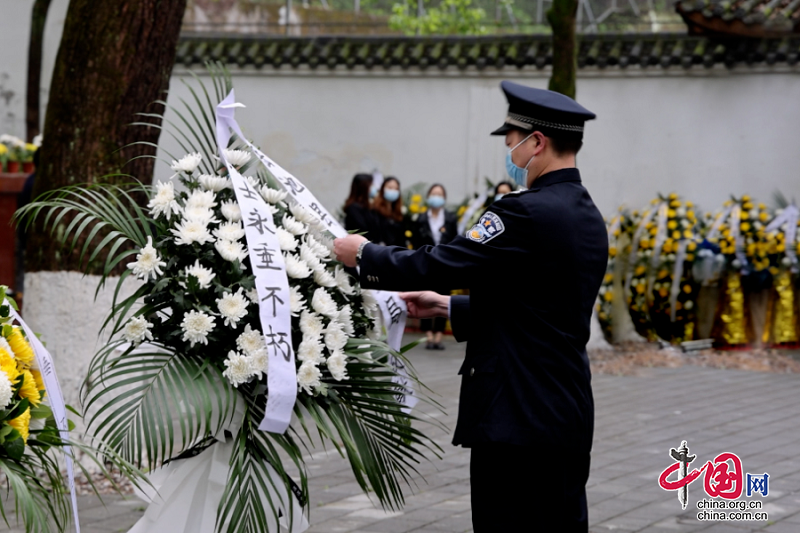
{"x":15,"y":26}
{"x":704,"y":136}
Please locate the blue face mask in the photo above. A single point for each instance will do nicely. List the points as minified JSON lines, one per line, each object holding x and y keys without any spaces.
{"x":373,"y":192}
{"x":435,"y":201}
{"x":391,"y":195}
{"x":498,"y":196}
{"x":519,"y":175}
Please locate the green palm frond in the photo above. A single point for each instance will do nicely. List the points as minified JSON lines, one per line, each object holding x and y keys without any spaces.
{"x":152,"y":403}
{"x":35,"y":504}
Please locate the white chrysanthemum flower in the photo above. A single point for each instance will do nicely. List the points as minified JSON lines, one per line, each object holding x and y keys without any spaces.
{"x":231,"y":250}
{"x":337,"y":365}
{"x":335,"y":338}
{"x":187,"y":163}
{"x":163,"y":202}
{"x":369,"y":302}
{"x":296,"y":301}
{"x":252,"y":295}
{"x":196,"y":326}
{"x":345,"y":318}
{"x":191,"y":231}
{"x":293,"y":226}
{"x":232,"y":307}
{"x":203,"y":275}
{"x":303,"y":215}
{"x":343,"y":282}
{"x":681,"y":212}
{"x":237,"y":158}
{"x":310,"y":351}
{"x":310,"y":258}
{"x":273,"y":196}
{"x":214,"y":183}
{"x":201,"y":199}
{"x":37,"y":141}
{"x":229,"y":231}
{"x":296,"y":268}
{"x":286,"y":240}
{"x":323,"y":303}
{"x":148,"y":263}
{"x":231,"y":211}
{"x":308,"y":376}
{"x":324,"y":278}
{"x":311,"y":325}
{"x":137,"y":330}
{"x":6,"y":390}
{"x":251,"y":341}
{"x":199,"y":214}
{"x":319,"y":248}
{"x":259,"y":362}
{"x":238,"y":369}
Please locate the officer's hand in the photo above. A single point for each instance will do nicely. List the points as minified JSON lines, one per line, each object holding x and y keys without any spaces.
{"x":426,"y":304}
{"x":346,"y":248}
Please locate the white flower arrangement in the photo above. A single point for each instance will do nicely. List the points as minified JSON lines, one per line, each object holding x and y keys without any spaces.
{"x":191,"y":337}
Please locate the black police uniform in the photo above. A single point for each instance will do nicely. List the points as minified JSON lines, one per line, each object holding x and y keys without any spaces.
{"x":533,"y":264}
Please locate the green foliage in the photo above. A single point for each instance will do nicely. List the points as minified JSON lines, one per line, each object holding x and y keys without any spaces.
{"x":451,"y":17}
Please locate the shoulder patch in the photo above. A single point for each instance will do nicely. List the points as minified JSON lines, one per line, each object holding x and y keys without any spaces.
{"x":487,"y":228}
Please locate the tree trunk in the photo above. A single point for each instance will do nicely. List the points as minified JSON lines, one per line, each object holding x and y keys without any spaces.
{"x":115,"y":60}
{"x":561,"y":17}
{"x":38,"y":19}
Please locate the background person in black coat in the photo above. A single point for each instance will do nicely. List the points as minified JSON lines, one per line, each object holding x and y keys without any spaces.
{"x":357,"y":214}
{"x":435,"y":226}
{"x":387,"y":208}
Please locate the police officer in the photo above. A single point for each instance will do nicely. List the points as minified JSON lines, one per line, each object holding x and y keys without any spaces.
{"x":526,"y":408}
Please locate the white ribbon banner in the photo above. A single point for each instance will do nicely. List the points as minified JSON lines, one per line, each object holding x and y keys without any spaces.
{"x":56,"y":399}
{"x":272,"y":284}
{"x":305,"y":198}
{"x":395,"y":312}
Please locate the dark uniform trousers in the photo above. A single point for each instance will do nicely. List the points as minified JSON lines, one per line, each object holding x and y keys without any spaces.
{"x":533,"y":264}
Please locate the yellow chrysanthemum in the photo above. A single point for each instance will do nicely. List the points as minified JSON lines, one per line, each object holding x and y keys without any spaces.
{"x":687,"y":289}
{"x":641,"y":269}
{"x":22,"y":424}
{"x":416,"y":199}
{"x":37,"y":377}
{"x":691,"y":246}
{"x":640,"y":288}
{"x":744,"y":215}
{"x":3,"y":149}
{"x":687,"y":234}
{"x":673,"y":196}
{"x":29,"y":388}
{"x":408,"y":233}
{"x":671,"y":213}
{"x":612,"y":251}
{"x":672,"y":224}
{"x":23,"y":352}
{"x":414,"y":208}
{"x":609,"y":277}
{"x":676,"y":235}
{"x":31,"y":147}
{"x":745,"y":198}
{"x":461,"y":211}
{"x":689,"y":204}
{"x":608,"y":296}
{"x":763,"y":216}
{"x":8,"y":365}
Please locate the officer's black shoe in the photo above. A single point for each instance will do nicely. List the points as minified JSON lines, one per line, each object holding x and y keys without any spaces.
{"x":438,"y":346}
{"x":430,"y":346}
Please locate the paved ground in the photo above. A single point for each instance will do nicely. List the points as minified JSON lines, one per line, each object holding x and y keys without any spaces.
{"x":755,"y":415}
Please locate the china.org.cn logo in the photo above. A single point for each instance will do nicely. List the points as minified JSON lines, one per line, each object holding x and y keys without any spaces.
{"x":724,"y":481}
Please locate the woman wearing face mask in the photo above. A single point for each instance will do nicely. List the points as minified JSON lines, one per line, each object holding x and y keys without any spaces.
{"x":357,"y":214}
{"x":502,"y":188}
{"x":387,"y":208}
{"x":435,"y":226}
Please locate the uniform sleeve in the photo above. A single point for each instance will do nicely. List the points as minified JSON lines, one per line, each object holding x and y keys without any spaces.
{"x":501,"y":237}
{"x":460,"y":317}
